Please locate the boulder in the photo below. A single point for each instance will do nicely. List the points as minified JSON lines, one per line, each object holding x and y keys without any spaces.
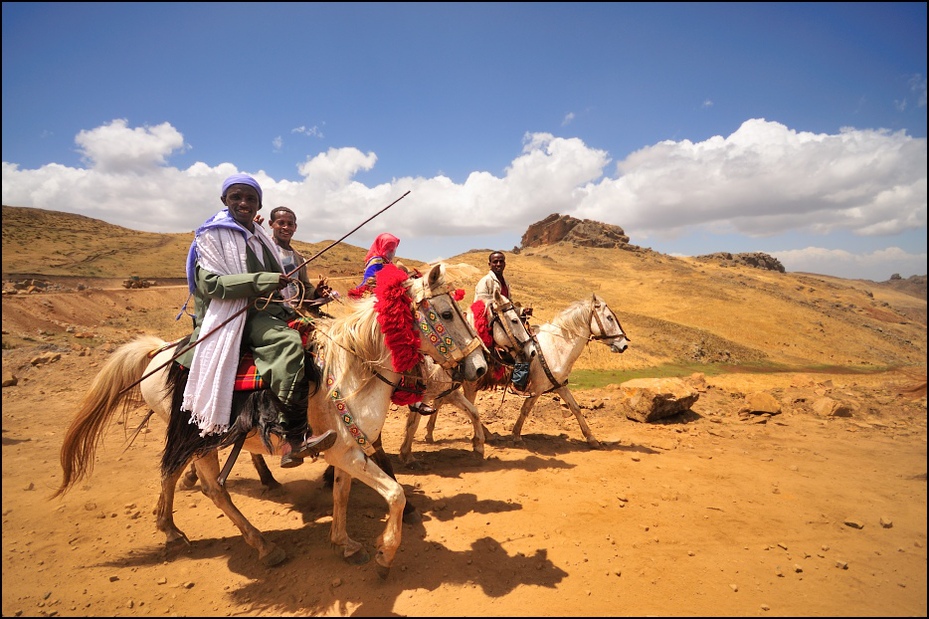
{"x":648,"y":399}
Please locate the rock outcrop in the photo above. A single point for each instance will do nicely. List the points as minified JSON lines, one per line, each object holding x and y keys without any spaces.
{"x":566,"y":229}
{"x":758,"y":260}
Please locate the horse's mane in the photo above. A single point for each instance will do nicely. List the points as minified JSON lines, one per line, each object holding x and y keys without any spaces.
{"x":574,"y":320}
{"x":349,"y":339}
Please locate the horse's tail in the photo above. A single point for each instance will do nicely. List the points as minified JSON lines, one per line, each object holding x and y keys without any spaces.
{"x":114,"y":387}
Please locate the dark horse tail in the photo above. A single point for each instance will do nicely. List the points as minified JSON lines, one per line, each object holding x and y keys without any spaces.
{"x":259,"y":409}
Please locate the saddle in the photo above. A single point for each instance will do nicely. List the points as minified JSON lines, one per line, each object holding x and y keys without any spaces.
{"x":247,"y":377}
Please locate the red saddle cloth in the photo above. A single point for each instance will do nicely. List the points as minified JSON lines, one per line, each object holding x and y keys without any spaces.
{"x":247,"y":377}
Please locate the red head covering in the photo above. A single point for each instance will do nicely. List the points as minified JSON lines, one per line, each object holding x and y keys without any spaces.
{"x":384,"y":243}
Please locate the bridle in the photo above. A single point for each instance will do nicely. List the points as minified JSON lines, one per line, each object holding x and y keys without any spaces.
{"x":595,"y":315}
{"x":431,"y":325}
{"x":499,"y":315}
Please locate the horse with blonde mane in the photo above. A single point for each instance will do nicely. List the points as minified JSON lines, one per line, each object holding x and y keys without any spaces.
{"x":363,"y":360}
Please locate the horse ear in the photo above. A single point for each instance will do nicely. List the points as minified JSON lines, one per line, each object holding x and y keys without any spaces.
{"x":435,"y":275}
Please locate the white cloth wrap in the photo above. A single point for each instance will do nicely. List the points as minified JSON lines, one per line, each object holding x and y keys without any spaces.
{"x":208,"y":395}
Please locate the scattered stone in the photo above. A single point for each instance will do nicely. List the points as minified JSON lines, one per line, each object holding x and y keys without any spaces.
{"x":761,"y":402}
{"x":886,"y":523}
{"x":46,"y":357}
{"x":827,"y":407}
{"x":855,"y":524}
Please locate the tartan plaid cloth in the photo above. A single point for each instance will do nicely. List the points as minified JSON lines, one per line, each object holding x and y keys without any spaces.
{"x":247,"y":377}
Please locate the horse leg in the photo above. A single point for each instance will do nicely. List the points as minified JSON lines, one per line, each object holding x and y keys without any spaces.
{"x":430,"y":427}
{"x":352,"y":552}
{"x":528,"y":403}
{"x":468,"y":407}
{"x":354,"y":464}
{"x":264,"y":473}
{"x":208,"y":472}
{"x":410,"y":515}
{"x":190,"y":477}
{"x":568,"y":397}
{"x":164,"y":510}
{"x":412,"y":424}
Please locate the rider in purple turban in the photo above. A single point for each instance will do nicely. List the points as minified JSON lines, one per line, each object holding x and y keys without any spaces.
{"x":232,"y":262}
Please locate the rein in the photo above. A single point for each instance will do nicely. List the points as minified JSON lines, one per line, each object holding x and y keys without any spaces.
{"x":499,"y":312}
{"x":603,"y":336}
{"x":444,"y":350}
{"x":594,"y":316}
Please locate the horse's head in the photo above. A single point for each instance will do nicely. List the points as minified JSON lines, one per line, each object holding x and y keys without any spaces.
{"x":508,"y":329}
{"x":605,"y":327}
{"x":444,"y":333}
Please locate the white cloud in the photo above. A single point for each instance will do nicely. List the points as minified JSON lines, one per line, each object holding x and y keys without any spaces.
{"x":763,"y":180}
{"x":877,"y":266}
{"x":766,"y":179}
{"x":117,"y":149}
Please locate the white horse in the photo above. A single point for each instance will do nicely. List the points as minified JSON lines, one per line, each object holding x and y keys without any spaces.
{"x":558,"y":344}
{"x":505,"y":336}
{"x":357,"y":353}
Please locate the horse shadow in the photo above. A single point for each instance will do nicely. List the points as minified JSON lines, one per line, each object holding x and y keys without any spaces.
{"x":542,"y":451}
{"x":314,"y":580}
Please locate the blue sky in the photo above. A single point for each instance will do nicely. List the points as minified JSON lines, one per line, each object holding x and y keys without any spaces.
{"x":796,"y":129}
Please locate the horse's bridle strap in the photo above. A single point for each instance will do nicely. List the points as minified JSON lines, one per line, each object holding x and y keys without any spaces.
{"x":499,"y":313}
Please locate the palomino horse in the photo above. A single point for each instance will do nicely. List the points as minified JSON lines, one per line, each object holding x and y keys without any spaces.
{"x":559,"y":343}
{"x":358,"y":363}
{"x":505,"y":336}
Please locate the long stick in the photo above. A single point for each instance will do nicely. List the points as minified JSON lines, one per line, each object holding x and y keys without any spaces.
{"x":334,"y":243}
{"x":225,"y":322}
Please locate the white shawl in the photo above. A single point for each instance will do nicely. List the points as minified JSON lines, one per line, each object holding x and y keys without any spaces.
{"x":208,"y":394}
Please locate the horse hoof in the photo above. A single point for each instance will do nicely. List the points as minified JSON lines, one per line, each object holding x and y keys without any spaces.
{"x":189,"y":480}
{"x":383,"y":571}
{"x":274,"y":557}
{"x":176,"y":546}
{"x":414,"y":465}
{"x":359,"y":557}
{"x":595,"y":444}
{"x":413,"y":517}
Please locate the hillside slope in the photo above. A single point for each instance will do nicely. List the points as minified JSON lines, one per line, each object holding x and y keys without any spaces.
{"x":675,"y":310}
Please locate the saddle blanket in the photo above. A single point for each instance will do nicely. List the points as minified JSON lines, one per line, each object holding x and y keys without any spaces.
{"x":247,"y":377}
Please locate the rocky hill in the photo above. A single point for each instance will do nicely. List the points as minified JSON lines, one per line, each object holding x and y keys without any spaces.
{"x":579,"y":232}
{"x":676,"y":310}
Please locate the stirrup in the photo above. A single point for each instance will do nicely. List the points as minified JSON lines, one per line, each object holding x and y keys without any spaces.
{"x":422,"y":408}
{"x":309,"y":447}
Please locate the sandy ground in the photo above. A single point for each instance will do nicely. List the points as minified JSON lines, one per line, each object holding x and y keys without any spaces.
{"x":709,"y":513}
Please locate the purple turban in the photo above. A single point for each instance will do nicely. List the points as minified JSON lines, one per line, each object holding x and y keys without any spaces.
{"x":241,"y":179}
